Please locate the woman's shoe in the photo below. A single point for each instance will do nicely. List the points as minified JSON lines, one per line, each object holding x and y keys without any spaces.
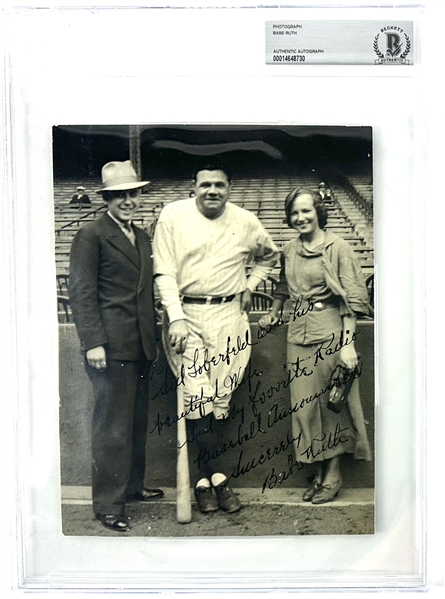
{"x":312,"y":490}
{"x":327,"y":493}
{"x":116,"y":523}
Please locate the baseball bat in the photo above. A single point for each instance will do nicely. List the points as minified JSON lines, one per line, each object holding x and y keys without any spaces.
{"x":183,"y":501}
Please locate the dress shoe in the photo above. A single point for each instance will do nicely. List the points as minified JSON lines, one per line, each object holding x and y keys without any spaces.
{"x":205,"y":499}
{"x":145,"y":495}
{"x":227,"y":500}
{"x":116,"y":523}
{"x":327,"y":493}
{"x":312,"y":490}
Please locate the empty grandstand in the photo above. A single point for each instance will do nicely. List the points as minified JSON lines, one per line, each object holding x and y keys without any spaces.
{"x":276,"y":162}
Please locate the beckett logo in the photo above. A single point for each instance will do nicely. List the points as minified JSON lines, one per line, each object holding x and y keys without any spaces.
{"x":395,"y":43}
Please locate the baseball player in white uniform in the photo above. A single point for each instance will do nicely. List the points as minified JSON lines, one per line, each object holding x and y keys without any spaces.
{"x":201,"y":248}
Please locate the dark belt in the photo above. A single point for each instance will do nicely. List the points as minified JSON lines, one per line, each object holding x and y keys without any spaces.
{"x":208,"y":300}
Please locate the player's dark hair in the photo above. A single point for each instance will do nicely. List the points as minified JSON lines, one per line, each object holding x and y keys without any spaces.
{"x":213,"y":166}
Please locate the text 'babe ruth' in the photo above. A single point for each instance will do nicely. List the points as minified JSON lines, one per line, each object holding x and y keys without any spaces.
{"x":201,"y":248}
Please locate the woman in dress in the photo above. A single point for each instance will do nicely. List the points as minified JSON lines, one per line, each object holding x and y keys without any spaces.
{"x":324,"y":281}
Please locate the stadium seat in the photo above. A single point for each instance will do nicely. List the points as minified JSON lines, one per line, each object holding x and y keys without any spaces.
{"x":261,"y":302}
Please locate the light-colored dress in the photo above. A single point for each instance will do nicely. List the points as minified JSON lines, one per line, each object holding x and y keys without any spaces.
{"x":324,"y":285}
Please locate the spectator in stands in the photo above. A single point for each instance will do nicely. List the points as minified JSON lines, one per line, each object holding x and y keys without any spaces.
{"x":201,"y":247}
{"x":322,"y":278}
{"x":80,"y":197}
{"x":323,"y":191}
{"x":111,"y":293}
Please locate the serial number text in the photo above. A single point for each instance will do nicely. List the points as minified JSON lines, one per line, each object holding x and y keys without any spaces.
{"x":289,"y":58}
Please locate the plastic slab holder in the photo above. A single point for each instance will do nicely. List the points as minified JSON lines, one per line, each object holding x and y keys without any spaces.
{"x":287,"y":96}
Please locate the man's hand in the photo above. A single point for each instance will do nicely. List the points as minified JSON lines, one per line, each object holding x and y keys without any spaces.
{"x":97,"y":358}
{"x":269,"y":319}
{"x":348,"y":355}
{"x":246,"y":301}
{"x":177,"y":335}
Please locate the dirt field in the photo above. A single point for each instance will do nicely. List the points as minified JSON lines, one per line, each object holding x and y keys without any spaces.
{"x":284,"y":514}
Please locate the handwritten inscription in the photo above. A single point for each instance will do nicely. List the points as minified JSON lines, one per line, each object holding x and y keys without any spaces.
{"x":231,"y":382}
{"x":277,"y":415}
{"x":327,"y":441}
{"x":297,"y":312}
{"x":273,"y":479}
{"x":329,"y":348}
{"x":197,"y":368}
{"x":260,"y":424}
{"x":292,"y":374}
{"x":254,"y":429}
{"x":244,"y":467}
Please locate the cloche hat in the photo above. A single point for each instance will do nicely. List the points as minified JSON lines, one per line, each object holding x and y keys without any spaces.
{"x":117,"y":176}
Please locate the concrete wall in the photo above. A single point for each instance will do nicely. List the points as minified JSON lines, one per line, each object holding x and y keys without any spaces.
{"x":268,"y":358}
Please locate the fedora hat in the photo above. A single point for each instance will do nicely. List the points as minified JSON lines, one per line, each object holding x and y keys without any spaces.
{"x":117,"y":176}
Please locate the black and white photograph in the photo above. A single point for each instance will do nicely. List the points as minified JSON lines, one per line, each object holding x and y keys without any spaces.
{"x":220,"y":300}
{"x":215,"y":297}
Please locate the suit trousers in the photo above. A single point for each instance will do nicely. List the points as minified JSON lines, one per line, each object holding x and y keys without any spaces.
{"x":119,"y":432}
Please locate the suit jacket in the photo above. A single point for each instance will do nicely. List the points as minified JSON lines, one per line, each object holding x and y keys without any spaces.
{"x":84,"y":199}
{"x":111,"y":290}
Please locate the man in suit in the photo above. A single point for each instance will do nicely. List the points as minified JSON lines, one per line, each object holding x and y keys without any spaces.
{"x":111,"y":294}
{"x":323,"y":191}
{"x":80,"y":197}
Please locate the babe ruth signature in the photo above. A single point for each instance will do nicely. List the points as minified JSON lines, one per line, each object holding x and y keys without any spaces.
{"x":273,"y":479}
{"x":328,"y":441}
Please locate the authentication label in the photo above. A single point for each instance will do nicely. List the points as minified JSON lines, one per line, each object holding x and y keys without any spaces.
{"x":339,"y":42}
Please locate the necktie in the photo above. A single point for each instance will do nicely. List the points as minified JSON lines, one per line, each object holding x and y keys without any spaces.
{"x":128,"y":230}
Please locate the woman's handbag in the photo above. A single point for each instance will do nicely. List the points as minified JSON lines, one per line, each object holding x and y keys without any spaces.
{"x":340,"y":384}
